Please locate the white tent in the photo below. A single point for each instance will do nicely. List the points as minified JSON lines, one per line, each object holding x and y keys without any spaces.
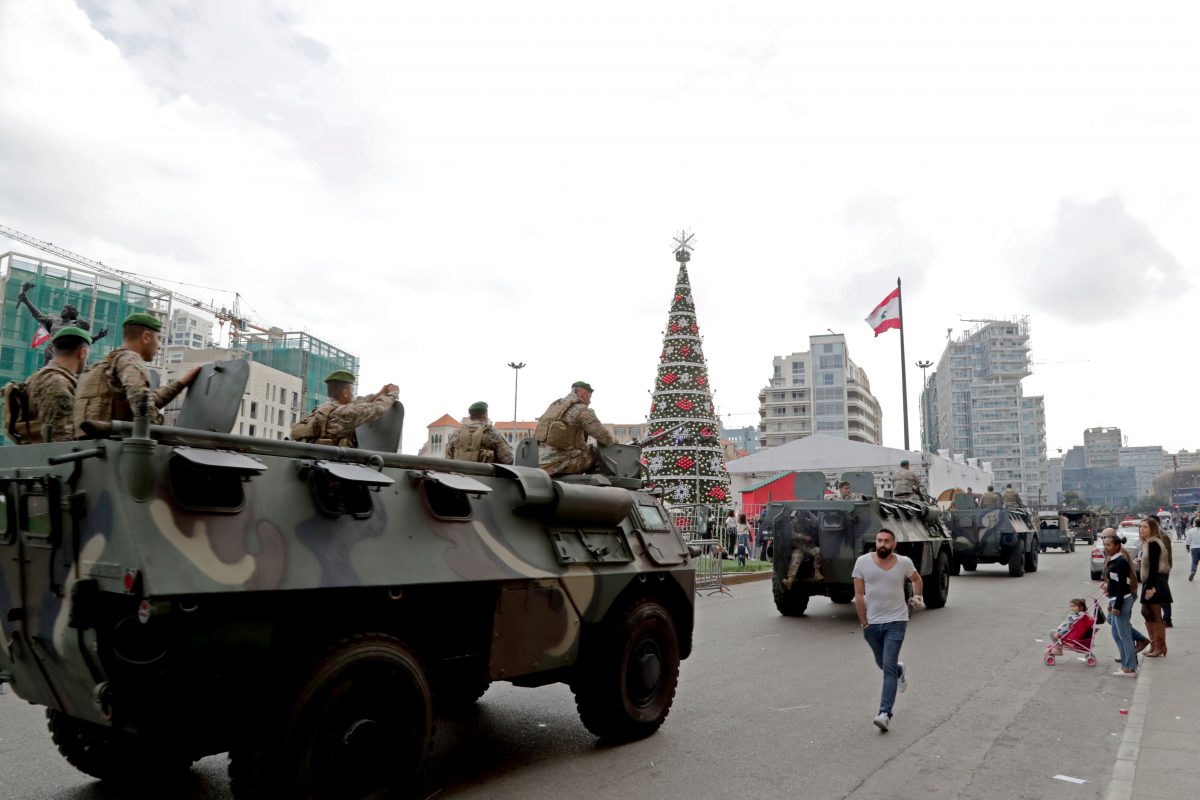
{"x":833,"y":456}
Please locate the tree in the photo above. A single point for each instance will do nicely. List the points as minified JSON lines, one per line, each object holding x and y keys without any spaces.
{"x":1073,"y":500}
{"x":687,"y":463}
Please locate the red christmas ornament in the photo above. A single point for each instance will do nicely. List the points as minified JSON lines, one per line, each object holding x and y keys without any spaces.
{"x":685,"y":405}
{"x":695,"y":328}
{"x":701,"y":380}
{"x":717,"y":493}
{"x":674,"y":328}
{"x":706,"y":431}
{"x":670,"y":378}
{"x":686,"y":462}
{"x":652,"y":408}
{"x":685,"y":350}
{"x":678,"y":297}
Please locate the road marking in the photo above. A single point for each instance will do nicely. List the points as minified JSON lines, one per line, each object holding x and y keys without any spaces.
{"x":1120,"y":787}
{"x":789,"y":708}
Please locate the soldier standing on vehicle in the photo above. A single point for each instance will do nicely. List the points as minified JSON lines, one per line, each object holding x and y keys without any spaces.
{"x":1011,"y":499}
{"x":114,"y":388}
{"x":844,"y":493}
{"x":879,"y":579}
{"x":478,"y":441}
{"x":989,"y":499}
{"x":905,"y":484}
{"x":335,"y":421}
{"x":562,"y":433}
{"x":52,"y":388}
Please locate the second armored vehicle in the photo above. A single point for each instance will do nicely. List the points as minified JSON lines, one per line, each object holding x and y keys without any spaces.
{"x":817,"y":541}
{"x":992,"y":536}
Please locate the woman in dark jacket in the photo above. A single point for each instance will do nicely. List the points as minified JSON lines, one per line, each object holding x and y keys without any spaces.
{"x":1154,"y":569}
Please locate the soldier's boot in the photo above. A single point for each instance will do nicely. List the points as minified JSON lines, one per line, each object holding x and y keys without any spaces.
{"x":787,"y":584}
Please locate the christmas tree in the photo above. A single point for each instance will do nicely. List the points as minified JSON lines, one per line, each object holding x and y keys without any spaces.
{"x":687,"y":463}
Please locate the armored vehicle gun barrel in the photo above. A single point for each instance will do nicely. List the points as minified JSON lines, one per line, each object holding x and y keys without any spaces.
{"x":169,"y":593}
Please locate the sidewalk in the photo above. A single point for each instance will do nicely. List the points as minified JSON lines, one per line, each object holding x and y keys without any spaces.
{"x":1159,"y":758}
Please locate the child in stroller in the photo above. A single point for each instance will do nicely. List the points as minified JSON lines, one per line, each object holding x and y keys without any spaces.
{"x":1075,"y":632}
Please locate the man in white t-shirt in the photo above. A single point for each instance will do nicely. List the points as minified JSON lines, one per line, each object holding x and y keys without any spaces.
{"x":883,"y":615}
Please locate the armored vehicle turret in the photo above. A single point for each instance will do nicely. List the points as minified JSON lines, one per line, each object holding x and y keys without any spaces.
{"x":169,"y":593}
{"x":992,"y":536}
{"x":817,"y":541}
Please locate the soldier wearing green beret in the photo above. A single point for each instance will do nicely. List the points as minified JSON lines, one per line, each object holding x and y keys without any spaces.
{"x":115,"y":388}
{"x":52,"y":388}
{"x":562,"y":433}
{"x":478,"y":441}
{"x":335,"y":421}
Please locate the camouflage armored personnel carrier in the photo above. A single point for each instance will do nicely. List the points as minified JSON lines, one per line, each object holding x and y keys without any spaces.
{"x":169,"y":593}
{"x":992,"y":536}
{"x":817,"y":541}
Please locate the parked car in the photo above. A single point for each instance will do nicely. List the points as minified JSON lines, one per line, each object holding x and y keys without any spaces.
{"x":1097,"y":562}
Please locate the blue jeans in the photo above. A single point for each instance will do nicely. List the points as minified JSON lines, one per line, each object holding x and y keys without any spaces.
{"x":885,"y":639}
{"x":1122,"y":631}
{"x":1195,"y":560}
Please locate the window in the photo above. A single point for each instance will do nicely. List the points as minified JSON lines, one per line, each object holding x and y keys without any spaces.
{"x":293,"y":417}
{"x":295,"y":400}
{"x":827,"y":378}
{"x":267,"y":391}
{"x":797,"y":366}
{"x":281,"y":417}
{"x":251,"y":430}
{"x":778,"y":371}
{"x":797,"y":409}
{"x":253,"y":413}
{"x":241,"y":428}
{"x":827,"y":409}
{"x":797,"y":395}
{"x":779,"y":412}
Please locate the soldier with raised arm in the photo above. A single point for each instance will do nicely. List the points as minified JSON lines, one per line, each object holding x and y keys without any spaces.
{"x":562,"y":433}
{"x":335,"y":421}
{"x":478,"y":441}
{"x":115,"y":387}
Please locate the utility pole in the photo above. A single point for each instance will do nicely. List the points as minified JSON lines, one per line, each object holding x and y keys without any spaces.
{"x":924,"y":365}
{"x":516,"y":375}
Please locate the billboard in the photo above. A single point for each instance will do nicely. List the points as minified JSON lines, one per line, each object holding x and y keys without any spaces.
{"x":1185,"y":497}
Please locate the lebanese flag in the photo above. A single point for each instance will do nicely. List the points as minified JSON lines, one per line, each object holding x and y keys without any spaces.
{"x":887,"y":314}
{"x":40,"y":337}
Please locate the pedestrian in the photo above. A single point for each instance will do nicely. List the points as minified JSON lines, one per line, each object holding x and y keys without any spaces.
{"x":743,"y":539}
{"x":731,"y":532}
{"x":1153,"y":571}
{"x":1119,"y":587}
{"x":761,"y":534}
{"x":1192,"y":543}
{"x":879,"y":578}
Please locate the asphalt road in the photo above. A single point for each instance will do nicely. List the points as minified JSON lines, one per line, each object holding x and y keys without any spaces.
{"x":771,"y":707}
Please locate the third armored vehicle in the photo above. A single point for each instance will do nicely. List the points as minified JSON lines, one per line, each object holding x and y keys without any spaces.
{"x":170,"y":593}
{"x":817,"y":541}
{"x":992,"y":536}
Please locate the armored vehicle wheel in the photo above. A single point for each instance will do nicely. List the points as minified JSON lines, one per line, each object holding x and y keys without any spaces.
{"x":625,"y":690}
{"x":1016,"y":561}
{"x":955,"y":567}
{"x":112,"y":755}
{"x":360,"y":726}
{"x":969,"y":566}
{"x":937,"y":587}
{"x":1031,"y":558}
{"x":458,"y":688}
{"x":841,"y":594}
{"x":790,"y":604}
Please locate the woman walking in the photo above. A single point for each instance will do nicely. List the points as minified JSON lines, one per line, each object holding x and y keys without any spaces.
{"x":1155,"y":566}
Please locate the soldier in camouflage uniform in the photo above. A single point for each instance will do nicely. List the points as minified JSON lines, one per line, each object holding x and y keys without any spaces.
{"x":479,"y":441}
{"x":114,"y":388}
{"x":52,"y":388}
{"x":562,"y":433}
{"x":1011,"y":499}
{"x":335,"y":421}
{"x":804,"y":527}
{"x":989,"y":499}
{"x":844,"y":493}
{"x":905,"y":484}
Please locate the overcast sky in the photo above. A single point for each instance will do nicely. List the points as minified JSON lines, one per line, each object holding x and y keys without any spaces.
{"x":444,"y":191}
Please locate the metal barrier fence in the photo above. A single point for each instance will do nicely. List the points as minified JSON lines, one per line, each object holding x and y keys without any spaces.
{"x":710,"y":569}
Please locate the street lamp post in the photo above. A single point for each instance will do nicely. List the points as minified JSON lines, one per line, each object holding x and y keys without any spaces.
{"x":516,"y":375}
{"x":924,"y":365}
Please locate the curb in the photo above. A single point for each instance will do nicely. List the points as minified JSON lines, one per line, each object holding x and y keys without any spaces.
{"x":746,"y":577}
{"x":1120,"y":786}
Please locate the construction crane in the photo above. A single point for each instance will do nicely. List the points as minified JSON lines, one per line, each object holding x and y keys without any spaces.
{"x":237,"y":323}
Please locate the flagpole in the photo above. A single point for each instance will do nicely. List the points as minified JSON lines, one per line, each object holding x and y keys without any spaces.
{"x":903,"y":369}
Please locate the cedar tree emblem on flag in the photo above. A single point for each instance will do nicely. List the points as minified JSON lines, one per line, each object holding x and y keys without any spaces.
{"x":887,"y":314}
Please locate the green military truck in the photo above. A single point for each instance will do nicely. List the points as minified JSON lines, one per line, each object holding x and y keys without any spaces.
{"x":1006,"y":536}
{"x":817,"y":541}
{"x":170,"y":593}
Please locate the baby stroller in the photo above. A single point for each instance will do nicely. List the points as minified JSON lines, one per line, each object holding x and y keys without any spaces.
{"x":1078,"y":639}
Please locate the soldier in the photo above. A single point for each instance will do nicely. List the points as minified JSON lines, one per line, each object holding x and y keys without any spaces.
{"x":989,"y":499}
{"x":69,"y":316}
{"x":1011,"y":499}
{"x":844,"y":493}
{"x":478,"y":441}
{"x":563,"y":430}
{"x":804,"y":527}
{"x":52,"y":388}
{"x":115,"y":387}
{"x":905,"y":484}
{"x":335,"y":421}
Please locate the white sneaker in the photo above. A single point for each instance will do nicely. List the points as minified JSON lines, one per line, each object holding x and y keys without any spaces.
{"x":882,"y":721}
{"x":903,"y":677}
